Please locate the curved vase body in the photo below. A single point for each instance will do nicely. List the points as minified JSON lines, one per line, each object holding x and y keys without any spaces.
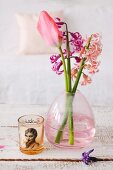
{"x":83,"y":121}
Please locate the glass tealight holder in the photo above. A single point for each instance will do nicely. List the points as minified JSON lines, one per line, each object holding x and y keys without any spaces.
{"x":31,"y":134}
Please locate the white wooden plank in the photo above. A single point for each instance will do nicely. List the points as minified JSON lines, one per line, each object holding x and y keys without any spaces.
{"x":103,"y":143}
{"x":103,"y":147}
{"x":55,"y":166}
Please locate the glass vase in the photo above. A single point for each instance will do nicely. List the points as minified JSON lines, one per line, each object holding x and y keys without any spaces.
{"x":70,"y":113}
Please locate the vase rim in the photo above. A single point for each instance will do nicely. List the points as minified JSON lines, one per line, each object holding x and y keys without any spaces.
{"x":72,"y":92}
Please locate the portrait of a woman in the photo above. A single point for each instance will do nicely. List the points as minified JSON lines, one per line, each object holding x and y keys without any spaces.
{"x":30,"y":135}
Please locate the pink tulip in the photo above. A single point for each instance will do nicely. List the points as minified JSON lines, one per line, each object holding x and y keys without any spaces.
{"x":49,"y":29}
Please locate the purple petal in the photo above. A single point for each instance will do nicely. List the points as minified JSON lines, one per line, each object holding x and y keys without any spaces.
{"x":57,"y":18}
{"x":64,"y":34}
{"x":59,"y":26}
{"x":86,"y":158}
{"x":57,"y":66}
{"x":78,"y":59}
{"x":59,"y":72}
{"x":60,"y":23}
{"x":76,"y":35}
{"x":54,"y":58}
{"x":91,"y":151}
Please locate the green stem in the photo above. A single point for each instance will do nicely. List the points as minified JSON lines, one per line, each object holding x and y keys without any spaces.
{"x":87,"y":46}
{"x":68,"y":60}
{"x":64,"y":66}
{"x":71,"y":125}
{"x":60,"y":131}
{"x":70,"y":119}
{"x":68,"y":116}
{"x":69,"y":101}
{"x":78,"y":75}
{"x":81,"y":67}
{"x":70,"y":111}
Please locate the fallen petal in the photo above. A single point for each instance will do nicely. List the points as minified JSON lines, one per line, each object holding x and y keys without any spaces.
{"x":2,"y":146}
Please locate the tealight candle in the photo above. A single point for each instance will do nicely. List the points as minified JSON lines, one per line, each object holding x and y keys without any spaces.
{"x":31,"y":134}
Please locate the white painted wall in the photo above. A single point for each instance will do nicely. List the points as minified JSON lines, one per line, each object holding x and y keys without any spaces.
{"x":8,"y":9}
{"x":86,"y":16}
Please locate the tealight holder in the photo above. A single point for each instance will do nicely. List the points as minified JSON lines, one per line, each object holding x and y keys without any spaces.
{"x":31,"y":134}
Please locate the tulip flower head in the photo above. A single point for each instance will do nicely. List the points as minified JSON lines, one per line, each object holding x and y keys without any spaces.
{"x":49,"y":30}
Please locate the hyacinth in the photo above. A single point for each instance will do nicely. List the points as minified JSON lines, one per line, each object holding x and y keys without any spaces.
{"x":56,"y":67}
{"x":76,"y":41}
{"x":79,"y":50}
{"x":92,"y":58}
{"x":95,"y":48}
{"x":91,"y":55}
{"x":86,"y":80}
{"x":86,"y":158}
{"x":54,"y":58}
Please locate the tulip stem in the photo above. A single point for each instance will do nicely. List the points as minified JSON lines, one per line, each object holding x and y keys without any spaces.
{"x":68,"y":60}
{"x":64,"y":66}
{"x":70,"y":110}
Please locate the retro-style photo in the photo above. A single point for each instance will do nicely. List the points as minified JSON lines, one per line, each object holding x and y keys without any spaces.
{"x":30,"y":139}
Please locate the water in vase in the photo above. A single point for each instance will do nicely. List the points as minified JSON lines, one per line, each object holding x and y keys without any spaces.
{"x":84,"y":131}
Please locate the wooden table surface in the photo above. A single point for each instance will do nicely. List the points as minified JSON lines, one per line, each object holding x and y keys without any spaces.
{"x":52,"y":158}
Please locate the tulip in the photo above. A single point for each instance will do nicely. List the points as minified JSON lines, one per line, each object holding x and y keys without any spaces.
{"x":49,"y":30}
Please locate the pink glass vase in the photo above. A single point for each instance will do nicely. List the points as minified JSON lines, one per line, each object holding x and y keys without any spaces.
{"x":58,"y":117}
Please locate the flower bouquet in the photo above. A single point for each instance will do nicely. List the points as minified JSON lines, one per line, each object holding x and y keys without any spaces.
{"x":77,"y":61}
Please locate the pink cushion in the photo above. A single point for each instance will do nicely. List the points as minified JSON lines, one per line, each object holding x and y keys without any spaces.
{"x":30,"y":40}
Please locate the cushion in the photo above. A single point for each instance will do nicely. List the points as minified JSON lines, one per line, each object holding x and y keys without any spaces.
{"x":30,"y":40}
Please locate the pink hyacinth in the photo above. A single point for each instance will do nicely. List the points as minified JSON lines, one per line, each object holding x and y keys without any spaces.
{"x":92,"y":58}
{"x":95,"y":48}
{"x":74,"y":73}
{"x":86,"y":80}
{"x":93,"y":67}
